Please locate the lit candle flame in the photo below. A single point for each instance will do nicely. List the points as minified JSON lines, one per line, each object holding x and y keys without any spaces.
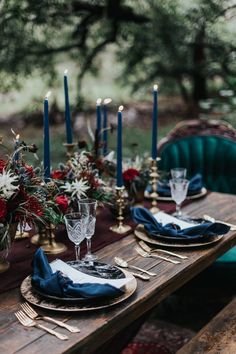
{"x":48,"y":95}
{"x":155,"y":87}
{"x":66,"y":72}
{"x":99,"y":101}
{"x":121,"y":108}
{"x":107,"y":100}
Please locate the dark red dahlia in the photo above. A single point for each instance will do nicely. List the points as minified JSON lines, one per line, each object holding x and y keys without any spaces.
{"x":130,"y":174}
{"x":2,"y":165}
{"x":3,"y":208}
{"x":58,"y":174}
{"x":62,"y":202}
{"x":29,"y":170}
{"x":33,"y":206}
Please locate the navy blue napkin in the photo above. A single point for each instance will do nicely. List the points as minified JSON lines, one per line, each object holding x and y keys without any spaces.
{"x":163,"y":186}
{"x":58,"y":285}
{"x":153,"y":227}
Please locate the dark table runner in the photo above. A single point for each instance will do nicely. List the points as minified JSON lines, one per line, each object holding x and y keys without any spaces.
{"x":22,"y":250}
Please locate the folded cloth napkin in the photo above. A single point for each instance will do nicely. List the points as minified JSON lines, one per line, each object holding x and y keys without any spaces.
{"x":58,"y":285}
{"x":153,"y":227}
{"x":163,"y":186}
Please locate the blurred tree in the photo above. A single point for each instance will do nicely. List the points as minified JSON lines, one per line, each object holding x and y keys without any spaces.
{"x":186,"y":43}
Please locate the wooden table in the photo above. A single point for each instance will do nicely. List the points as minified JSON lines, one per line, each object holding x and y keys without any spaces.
{"x":101,"y":326}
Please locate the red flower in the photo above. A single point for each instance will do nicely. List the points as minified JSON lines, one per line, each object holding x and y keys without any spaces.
{"x":3,"y":209}
{"x":29,"y":170}
{"x":58,"y":174}
{"x":92,"y":181}
{"x":33,"y":206}
{"x":2,"y":165}
{"x":130,"y":174}
{"x":62,"y":202}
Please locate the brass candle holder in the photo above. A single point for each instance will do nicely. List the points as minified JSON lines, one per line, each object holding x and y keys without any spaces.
{"x":69,"y":149}
{"x":41,"y":238}
{"x":52,"y":247}
{"x":21,"y":233}
{"x":120,"y":228}
{"x":4,"y":265}
{"x":154,"y":179}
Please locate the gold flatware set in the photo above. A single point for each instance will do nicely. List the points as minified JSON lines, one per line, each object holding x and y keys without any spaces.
{"x":29,"y":318}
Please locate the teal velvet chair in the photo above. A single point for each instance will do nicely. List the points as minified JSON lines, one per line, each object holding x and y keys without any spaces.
{"x":209,"y":148}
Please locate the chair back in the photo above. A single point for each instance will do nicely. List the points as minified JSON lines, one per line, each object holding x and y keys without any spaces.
{"x":206,"y":147}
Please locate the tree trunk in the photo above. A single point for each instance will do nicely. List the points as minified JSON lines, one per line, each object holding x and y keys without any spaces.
{"x":199,"y":62}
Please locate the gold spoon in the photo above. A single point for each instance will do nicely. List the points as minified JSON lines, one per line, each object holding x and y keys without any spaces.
{"x":122,"y":263}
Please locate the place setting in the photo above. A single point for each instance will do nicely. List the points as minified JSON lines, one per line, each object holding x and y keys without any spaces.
{"x":177,"y":230}
{"x":195,"y":189}
{"x":78,"y":285}
{"x":172,"y":236}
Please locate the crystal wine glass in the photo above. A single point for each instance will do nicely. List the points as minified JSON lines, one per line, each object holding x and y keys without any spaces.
{"x":88,"y":207}
{"x":76,"y":224}
{"x":178,"y":172}
{"x":179,"y":188}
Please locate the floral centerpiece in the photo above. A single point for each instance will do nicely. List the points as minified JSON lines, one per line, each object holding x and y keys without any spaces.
{"x":136,"y":177}
{"x":25,"y":198}
{"x":80,"y":178}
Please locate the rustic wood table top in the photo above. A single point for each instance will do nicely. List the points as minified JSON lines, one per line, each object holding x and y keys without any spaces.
{"x":99,"y":326}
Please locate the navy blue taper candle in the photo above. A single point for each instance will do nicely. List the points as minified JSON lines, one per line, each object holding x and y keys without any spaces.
{"x":119,"y":177}
{"x":154,"y":122}
{"x":99,"y":122}
{"x":17,"y":144}
{"x":105,"y":132}
{"x":69,"y":138}
{"x":46,"y":156}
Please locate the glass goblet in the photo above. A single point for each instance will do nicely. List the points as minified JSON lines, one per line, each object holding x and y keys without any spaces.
{"x":88,"y":207}
{"x":178,"y":172}
{"x":179,"y":188}
{"x":76,"y":224}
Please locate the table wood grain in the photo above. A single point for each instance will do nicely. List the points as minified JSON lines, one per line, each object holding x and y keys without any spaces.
{"x":98,"y":327}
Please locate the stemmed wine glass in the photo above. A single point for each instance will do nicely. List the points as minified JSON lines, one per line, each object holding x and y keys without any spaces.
{"x":87,"y":207}
{"x":179,"y":188}
{"x":76,"y":224}
{"x":178,"y":172}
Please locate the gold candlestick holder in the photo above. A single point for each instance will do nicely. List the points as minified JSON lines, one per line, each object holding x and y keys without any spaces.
{"x":41,"y":238}
{"x":69,"y":149}
{"x":4,"y":265}
{"x":21,"y":233}
{"x":52,"y":247}
{"x":120,"y":228}
{"x":154,"y":179}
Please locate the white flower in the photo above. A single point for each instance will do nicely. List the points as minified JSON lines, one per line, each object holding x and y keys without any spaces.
{"x":83,"y":158}
{"x":78,"y":188}
{"x":110,"y":157}
{"x":7,"y":188}
{"x":80,"y":159}
{"x":67,"y":187}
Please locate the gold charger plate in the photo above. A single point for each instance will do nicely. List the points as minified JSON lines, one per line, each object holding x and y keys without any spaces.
{"x":34,"y":298}
{"x":142,"y":235}
{"x":201,"y":194}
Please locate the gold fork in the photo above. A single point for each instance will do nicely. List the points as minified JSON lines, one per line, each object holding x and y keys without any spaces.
{"x":152,"y":250}
{"x":151,"y":255}
{"x":28,"y":322}
{"x":35,"y":316}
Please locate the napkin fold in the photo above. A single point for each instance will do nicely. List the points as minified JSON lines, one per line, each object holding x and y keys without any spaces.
{"x":163,"y":186}
{"x":153,"y":227}
{"x":57,"y":284}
